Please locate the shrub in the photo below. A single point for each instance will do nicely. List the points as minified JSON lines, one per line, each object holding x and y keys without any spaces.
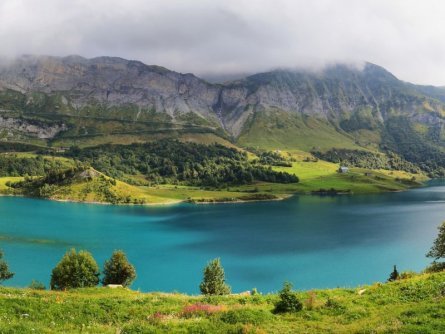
{"x":157,"y":318}
{"x":199,"y":309}
{"x":435,"y":267}
{"x":75,"y":270}
{"x":246,"y":316}
{"x":5,"y":274}
{"x":442,"y":289}
{"x":437,"y":251}
{"x":407,"y":274}
{"x":310,"y":301}
{"x":289,"y":301}
{"x":117,"y":270}
{"x":213,"y":282}
{"x":36,"y":285}
{"x":334,"y":305}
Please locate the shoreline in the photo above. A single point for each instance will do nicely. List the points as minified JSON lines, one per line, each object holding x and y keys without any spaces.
{"x":175,"y":202}
{"x":279,"y":197}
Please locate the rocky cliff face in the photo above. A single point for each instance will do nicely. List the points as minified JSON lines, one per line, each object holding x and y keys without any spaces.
{"x":111,"y":82}
{"x":10,"y":125}
{"x":74,"y":84}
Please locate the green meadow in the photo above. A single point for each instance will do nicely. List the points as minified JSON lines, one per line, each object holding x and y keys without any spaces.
{"x":411,"y":305}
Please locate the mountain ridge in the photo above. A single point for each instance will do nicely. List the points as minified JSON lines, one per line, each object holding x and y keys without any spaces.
{"x":282,"y":107}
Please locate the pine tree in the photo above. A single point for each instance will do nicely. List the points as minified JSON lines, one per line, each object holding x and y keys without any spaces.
{"x":117,"y":270}
{"x":394,"y":275}
{"x":213,"y":282}
{"x":5,"y":274}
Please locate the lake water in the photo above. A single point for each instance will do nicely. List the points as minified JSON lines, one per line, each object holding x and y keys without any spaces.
{"x":314,"y":242}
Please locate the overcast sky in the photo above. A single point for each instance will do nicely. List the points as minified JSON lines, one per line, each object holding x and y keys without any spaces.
{"x":229,"y":36}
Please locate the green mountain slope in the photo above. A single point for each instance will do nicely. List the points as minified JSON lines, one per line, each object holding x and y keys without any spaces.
{"x":281,"y":130}
{"x":85,"y":102}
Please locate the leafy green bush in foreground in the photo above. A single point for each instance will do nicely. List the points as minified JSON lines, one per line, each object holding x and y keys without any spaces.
{"x":289,"y":301}
{"x":75,"y":270}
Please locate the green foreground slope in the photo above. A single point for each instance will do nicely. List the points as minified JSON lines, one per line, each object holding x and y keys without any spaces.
{"x":414,"y":305}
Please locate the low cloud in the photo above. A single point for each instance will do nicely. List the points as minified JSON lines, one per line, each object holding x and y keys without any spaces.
{"x":227,"y":37}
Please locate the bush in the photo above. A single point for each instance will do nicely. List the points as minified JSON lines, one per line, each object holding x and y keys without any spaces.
{"x":435,"y":267}
{"x":437,"y":251}
{"x":199,"y":310}
{"x":36,"y":285}
{"x":246,"y":316}
{"x":5,"y":274}
{"x":289,"y":301}
{"x":309,"y":303}
{"x":213,"y":282}
{"x":407,"y":274}
{"x":75,"y":270}
{"x":117,"y":270}
{"x":334,"y":305}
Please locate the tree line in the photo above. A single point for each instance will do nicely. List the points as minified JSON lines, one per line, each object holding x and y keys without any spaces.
{"x":44,"y":186}
{"x":161,"y":162}
{"x":172,"y":161}
{"x":16,"y":165}
{"x":367,"y":159}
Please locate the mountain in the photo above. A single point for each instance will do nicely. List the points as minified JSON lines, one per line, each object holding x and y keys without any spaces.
{"x":74,"y":100}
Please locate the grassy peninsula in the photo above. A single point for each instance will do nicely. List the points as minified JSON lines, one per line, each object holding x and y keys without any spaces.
{"x":170,"y":171}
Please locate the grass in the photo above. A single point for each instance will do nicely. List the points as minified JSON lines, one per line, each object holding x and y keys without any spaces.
{"x":162,"y":194}
{"x":319,"y":174}
{"x":184,"y":193}
{"x":66,"y":162}
{"x":286,"y":131}
{"x":126,"y":139}
{"x":90,"y":191}
{"x":4,"y":180}
{"x":414,"y":305}
{"x":83,"y":190}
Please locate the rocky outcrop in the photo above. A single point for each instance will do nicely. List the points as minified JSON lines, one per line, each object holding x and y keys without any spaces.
{"x":40,"y":130}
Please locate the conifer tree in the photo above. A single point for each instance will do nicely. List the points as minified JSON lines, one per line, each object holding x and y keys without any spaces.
{"x":117,"y":270}
{"x":213,"y":282}
{"x":394,"y":275}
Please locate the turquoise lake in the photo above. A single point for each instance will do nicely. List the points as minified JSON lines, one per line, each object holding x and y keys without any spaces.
{"x":314,"y":242}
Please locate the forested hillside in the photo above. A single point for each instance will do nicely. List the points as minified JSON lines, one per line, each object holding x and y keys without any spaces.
{"x":169,"y":161}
